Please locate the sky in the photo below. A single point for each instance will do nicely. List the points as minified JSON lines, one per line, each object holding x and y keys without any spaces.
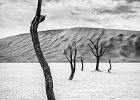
{"x":16,"y":15}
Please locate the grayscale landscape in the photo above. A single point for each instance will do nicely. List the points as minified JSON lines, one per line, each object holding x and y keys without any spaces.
{"x":69,"y":50}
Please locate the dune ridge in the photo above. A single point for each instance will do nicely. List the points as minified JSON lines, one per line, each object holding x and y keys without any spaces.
{"x":125,"y":45}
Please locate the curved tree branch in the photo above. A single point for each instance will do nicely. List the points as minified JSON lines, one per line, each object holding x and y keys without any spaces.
{"x":92,"y":50}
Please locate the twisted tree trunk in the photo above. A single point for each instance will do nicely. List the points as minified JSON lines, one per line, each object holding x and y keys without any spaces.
{"x":110,"y":65}
{"x":72,"y":71}
{"x":35,"y":39}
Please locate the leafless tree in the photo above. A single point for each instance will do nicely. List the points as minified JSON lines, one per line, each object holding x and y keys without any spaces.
{"x":82,"y":62}
{"x":110,"y":66}
{"x":70,"y":54}
{"x":98,"y":49}
{"x":46,"y":69}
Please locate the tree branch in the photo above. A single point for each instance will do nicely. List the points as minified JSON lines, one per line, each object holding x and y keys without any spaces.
{"x":101,"y":49}
{"x":99,"y":38}
{"x":92,"y":50}
{"x":106,"y":48}
{"x":71,"y":53}
{"x":66,"y":55}
{"x":93,"y":44}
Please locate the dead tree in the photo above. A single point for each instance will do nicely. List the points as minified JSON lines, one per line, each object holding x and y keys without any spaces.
{"x":71,"y":57}
{"x":98,"y":49}
{"x":35,"y":39}
{"x":110,"y":66}
{"x":82,"y":62}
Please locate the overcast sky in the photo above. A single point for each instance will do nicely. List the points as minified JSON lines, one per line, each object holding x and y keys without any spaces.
{"x":16,"y":15}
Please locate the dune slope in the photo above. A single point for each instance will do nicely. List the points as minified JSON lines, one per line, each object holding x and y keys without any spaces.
{"x":125,"y":45}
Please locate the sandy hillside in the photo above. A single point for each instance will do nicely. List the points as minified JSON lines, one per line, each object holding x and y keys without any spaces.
{"x":125,"y":45}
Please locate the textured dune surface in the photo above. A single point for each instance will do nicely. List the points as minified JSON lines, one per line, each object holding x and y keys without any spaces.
{"x":125,"y":45}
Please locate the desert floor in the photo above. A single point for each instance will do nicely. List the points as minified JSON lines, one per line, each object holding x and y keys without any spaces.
{"x":25,"y":81}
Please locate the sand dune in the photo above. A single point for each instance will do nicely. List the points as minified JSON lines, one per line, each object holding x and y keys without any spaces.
{"x":125,"y":45}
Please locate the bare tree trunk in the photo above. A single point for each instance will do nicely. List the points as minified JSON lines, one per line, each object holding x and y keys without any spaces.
{"x":110,"y":66}
{"x":82,"y":64}
{"x":97,"y":64}
{"x":72,"y":74}
{"x":72,"y":71}
{"x":72,"y":59}
{"x":73,"y":67}
{"x":98,"y":49}
{"x":35,"y":39}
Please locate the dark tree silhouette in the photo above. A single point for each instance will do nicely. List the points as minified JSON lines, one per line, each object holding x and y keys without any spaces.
{"x":82,"y":62}
{"x":98,"y":49}
{"x":70,"y":54}
{"x":46,"y":69}
{"x":110,"y":66}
